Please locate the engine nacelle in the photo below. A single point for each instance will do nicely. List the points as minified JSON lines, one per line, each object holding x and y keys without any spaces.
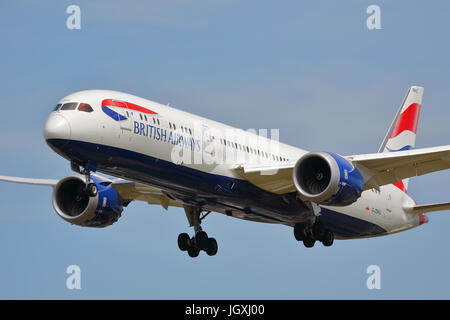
{"x":74,"y":205}
{"x":328,"y":179}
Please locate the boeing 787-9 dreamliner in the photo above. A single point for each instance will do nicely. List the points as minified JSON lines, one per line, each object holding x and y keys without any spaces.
{"x":164,"y":156}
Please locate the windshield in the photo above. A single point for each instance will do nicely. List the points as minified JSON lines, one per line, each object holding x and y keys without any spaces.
{"x":69,"y":106}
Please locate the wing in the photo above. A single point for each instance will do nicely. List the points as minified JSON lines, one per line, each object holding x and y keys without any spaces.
{"x":38,"y":182}
{"x":130,"y":190}
{"x":276,"y":179}
{"x":378,"y":169}
{"x":385,"y":168}
{"x":127,"y":190}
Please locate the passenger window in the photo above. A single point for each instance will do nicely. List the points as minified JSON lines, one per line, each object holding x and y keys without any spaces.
{"x":57,"y":107}
{"x":69,"y":106}
{"x":85,"y":107}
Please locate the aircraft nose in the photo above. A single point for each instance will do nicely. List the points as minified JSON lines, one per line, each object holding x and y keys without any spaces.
{"x":57,"y":127}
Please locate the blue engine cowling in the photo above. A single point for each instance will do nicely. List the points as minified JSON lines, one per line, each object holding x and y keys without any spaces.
{"x":72,"y":203}
{"x":328,"y":179}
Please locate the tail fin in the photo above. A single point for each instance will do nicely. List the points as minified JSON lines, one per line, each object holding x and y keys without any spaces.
{"x":402,"y":132}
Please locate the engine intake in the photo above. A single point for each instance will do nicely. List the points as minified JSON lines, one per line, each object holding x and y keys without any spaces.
{"x":328,"y":179}
{"x":72,"y":203}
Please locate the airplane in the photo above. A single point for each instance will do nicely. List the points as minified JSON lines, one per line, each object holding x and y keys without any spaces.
{"x":165,"y":156}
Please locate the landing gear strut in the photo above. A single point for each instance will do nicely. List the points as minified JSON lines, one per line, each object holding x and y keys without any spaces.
{"x":200,"y":241}
{"x":91,"y":188}
{"x":310,"y":233}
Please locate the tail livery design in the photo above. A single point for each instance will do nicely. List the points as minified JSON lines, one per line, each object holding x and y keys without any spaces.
{"x":401,"y":135}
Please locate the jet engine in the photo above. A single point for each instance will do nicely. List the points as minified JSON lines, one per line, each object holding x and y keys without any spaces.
{"x":73,"y":204}
{"x":328,"y":179}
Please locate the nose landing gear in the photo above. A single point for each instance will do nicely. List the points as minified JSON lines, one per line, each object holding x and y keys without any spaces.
{"x":91,"y":188}
{"x":200,"y":241}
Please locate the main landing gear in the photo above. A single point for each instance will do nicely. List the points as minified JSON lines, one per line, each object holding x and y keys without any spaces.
{"x":309,"y":234}
{"x":200,"y":241}
{"x":90,"y":188}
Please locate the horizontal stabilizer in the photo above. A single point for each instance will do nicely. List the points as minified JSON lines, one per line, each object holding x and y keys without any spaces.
{"x":427,"y":207}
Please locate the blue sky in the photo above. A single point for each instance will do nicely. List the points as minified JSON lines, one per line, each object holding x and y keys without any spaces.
{"x":310,"y":68}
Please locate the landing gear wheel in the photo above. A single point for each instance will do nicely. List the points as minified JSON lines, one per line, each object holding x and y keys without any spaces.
{"x":328,"y":238}
{"x":183,"y":241}
{"x":193,"y":252}
{"x":309,"y":242}
{"x":211,"y":250}
{"x":92,"y":189}
{"x":201,"y":239}
{"x":299,"y":231}
{"x":319,"y":231}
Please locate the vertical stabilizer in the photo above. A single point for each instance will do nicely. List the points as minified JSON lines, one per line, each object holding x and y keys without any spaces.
{"x":403,"y":130}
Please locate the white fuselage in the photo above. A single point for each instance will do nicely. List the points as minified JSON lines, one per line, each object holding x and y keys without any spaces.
{"x":195,"y":159}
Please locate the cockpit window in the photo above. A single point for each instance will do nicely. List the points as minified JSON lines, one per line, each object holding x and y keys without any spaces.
{"x":69,"y":106}
{"x":57,"y":107}
{"x":85,"y":107}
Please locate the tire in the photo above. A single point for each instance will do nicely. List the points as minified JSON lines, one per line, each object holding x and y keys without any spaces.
{"x":92,"y":189}
{"x":212,"y":247}
{"x":309,"y":242}
{"x":202,"y":240}
{"x":328,"y":239}
{"x":299,"y":231}
{"x":183,"y":241}
{"x":319,"y":231}
{"x":193,"y":252}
